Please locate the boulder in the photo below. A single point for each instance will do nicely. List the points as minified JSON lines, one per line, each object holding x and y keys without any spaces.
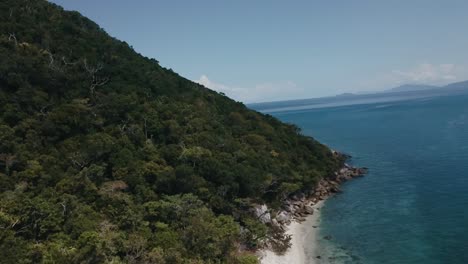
{"x":261,"y":212}
{"x":297,"y":203}
{"x":335,"y":190}
{"x":298,"y":197}
{"x":288,"y":208}
{"x":283,"y":217}
{"x":274,"y":222}
{"x":265,"y":218}
{"x":309,"y":209}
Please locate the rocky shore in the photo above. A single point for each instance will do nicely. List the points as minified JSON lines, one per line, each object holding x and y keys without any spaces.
{"x":299,"y":206}
{"x":297,"y":219}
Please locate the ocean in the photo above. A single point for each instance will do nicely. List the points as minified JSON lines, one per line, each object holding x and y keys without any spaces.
{"x":412,"y":206}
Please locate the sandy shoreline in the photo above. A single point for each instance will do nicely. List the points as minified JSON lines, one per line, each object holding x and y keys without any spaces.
{"x":304,"y":239}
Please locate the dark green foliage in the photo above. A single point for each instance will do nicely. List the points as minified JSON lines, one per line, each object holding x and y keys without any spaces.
{"x":105,"y":156}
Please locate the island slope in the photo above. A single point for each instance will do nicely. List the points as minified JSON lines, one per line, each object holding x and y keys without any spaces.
{"x":105,"y":156}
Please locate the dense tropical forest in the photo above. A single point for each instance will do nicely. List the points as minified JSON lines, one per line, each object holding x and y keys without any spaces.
{"x":107,"y":157}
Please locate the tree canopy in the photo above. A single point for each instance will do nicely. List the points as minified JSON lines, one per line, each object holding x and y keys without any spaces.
{"x":107,"y":157}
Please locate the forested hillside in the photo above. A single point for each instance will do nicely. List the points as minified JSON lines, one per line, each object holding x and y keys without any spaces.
{"x":107,"y":157}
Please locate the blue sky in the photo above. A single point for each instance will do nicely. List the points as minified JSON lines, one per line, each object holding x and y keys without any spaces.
{"x":276,"y":50}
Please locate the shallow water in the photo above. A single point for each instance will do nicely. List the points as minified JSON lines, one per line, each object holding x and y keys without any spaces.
{"x":413,"y":205}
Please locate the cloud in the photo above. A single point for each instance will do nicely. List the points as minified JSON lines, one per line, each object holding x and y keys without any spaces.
{"x":425,"y":73}
{"x":212,"y":85}
{"x":263,"y":92}
{"x":430,"y":74}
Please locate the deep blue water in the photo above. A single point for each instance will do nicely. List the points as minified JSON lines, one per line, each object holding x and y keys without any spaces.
{"x":413,"y":205}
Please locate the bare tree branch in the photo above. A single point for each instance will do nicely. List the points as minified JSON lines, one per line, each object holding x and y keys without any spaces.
{"x":28,"y":9}
{"x":16,"y":222}
{"x":8,"y":160}
{"x":64,"y":206}
{"x":51,"y":59}
{"x":54,"y":64}
{"x":146,"y":129}
{"x":13,"y":37}
{"x":44,"y":108}
{"x":77,"y":160}
{"x":96,"y":81}
{"x":64,"y":60}
{"x":123,"y":127}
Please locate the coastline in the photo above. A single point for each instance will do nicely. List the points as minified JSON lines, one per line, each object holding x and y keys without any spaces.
{"x":302,"y":233}
{"x":300,"y":218}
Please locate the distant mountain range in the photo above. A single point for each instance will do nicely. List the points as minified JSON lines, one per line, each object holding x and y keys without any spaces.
{"x":423,"y":87}
{"x":412,"y":87}
{"x":457,"y":85}
{"x":409,"y":88}
{"x":403,"y":92}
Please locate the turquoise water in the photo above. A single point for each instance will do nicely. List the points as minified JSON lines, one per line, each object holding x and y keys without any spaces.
{"x":413,"y":205}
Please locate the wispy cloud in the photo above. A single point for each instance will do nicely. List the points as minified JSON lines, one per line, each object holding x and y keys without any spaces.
{"x":424,"y":73}
{"x":212,"y":85}
{"x":430,"y":74}
{"x":268,"y":91}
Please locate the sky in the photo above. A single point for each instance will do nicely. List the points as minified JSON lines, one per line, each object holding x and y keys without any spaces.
{"x":258,"y":51}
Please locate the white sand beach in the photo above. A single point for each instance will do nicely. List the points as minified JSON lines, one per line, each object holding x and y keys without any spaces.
{"x":303,"y":242}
